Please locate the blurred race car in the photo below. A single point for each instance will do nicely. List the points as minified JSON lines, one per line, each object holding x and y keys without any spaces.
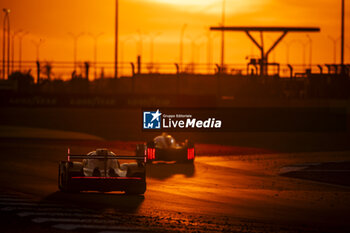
{"x":165,"y":148}
{"x":102,"y":170}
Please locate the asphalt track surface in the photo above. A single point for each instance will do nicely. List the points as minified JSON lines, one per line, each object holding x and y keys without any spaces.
{"x":227,"y":191}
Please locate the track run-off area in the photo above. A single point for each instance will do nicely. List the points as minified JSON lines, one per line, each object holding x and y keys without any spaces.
{"x":228,"y":189}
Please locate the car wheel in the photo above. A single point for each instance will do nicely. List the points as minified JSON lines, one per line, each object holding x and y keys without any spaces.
{"x":96,"y":173}
{"x":64,"y":177}
{"x":112,"y":173}
{"x":61,"y":177}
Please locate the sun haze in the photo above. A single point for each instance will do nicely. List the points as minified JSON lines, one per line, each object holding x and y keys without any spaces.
{"x":160,"y":22}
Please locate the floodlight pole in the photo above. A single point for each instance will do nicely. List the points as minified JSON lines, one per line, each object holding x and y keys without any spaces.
{"x":342,"y":34}
{"x":310,"y":50}
{"x":37,"y":46}
{"x":116,"y":41}
{"x":181,"y":45}
{"x":334,"y":40}
{"x":6,"y":21}
{"x":18,"y":32}
{"x":95,"y":38}
{"x":223,"y":36}
{"x":152,"y":38}
{"x":75,"y":46}
{"x":20,"y":50}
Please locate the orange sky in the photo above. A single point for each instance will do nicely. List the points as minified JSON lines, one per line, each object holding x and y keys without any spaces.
{"x":53,"y":20}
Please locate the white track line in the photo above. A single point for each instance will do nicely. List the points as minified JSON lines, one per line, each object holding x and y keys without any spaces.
{"x":74,"y":220}
{"x":40,"y":209}
{"x":97,"y":227}
{"x":60,"y":214}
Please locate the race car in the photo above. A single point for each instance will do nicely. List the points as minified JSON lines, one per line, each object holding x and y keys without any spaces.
{"x":165,"y":148}
{"x":102,"y":170}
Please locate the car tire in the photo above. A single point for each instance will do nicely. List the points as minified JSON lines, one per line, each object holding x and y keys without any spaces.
{"x":61,"y":177}
{"x":112,"y":173}
{"x":64,"y":178}
{"x":96,"y":173}
{"x":63,"y":183}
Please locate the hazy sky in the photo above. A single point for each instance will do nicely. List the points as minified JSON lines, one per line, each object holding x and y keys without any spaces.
{"x":163,"y":19}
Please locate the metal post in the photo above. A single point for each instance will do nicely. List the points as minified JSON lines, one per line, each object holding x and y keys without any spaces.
{"x":181,"y":45}
{"x":304,"y":54}
{"x":37,"y":45}
{"x":223,"y":35}
{"x":334,"y":51}
{"x":290,"y":71}
{"x":209,"y":55}
{"x":13,"y":50}
{"x":95,"y":38}
{"x":218,"y":68}
{"x":6,"y":21}
{"x":263,"y":57}
{"x":152,"y":37}
{"x":95,"y":58}
{"x":122,"y":45}
{"x":8,"y":45}
{"x":116,"y":40}
{"x":87,"y":66}
{"x":132,"y":77}
{"x":139,"y":44}
{"x":138,"y":64}
{"x":151,"y":53}
{"x":342,"y":34}
{"x":20,"y":37}
{"x":310,"y":51}
{"x":38,"y":72}
{"x":75,"y":47}
{"x":177,"y":78}
{"x":132,"y":69}
{"x":193,"y":48}
{"x":3,"y":47}
{"x":303,"y":47}
{"x":334,"y":40}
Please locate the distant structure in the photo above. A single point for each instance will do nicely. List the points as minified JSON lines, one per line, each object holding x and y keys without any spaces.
{"x":6,"y":29}
{"x":263,"y":61}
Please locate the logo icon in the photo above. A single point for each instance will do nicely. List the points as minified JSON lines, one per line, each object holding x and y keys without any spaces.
{"x":151,"y":120}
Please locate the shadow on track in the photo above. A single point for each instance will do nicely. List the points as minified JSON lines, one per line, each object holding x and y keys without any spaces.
{"x":163,"y":171}
{"x":337,"y":173}
{"x":105,"y":202}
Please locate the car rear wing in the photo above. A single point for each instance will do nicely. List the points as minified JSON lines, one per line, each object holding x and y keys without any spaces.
{"x":77,"y":156}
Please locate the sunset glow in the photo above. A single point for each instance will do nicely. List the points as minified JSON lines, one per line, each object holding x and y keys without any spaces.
{"x":161,"y":21}
{"x":187,"y":3}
